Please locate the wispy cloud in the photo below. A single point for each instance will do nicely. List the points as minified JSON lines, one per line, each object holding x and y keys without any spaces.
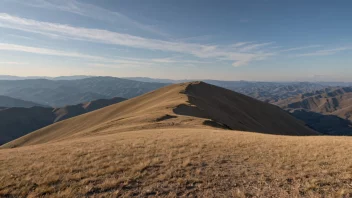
{"x":300,"y":48}
{"x":11,"y":63}
{"x":251,"y":47}
{"x":20,"y":37}
{"x":44,"y":51}
{"x":92,"y":11}
{"x":194,"y":38}
{"x":326,"y":52}
{"x":240,"y":44}
{"x":114,"y":62}
{"x":178,"y":60}
{"x":96,"y":60}
{"x":242,"y":55}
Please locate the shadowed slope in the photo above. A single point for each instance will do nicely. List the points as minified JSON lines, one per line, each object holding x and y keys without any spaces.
{"x":243,"y":113}
{"x":16,"y":122}
{"x":325,"y":124}
{"x":6,"y":101}
{"x":186,"y":105}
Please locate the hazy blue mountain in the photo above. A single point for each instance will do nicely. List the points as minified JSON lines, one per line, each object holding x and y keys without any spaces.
{"x":6,"y":101}
{"x":159,"y":80}
{"x":9,"y":77}
{"x":265,"y":91}
{"x":65,"y":92}
{"x":76,"y":89}
{"x":78,"y":77}
{"x":335,"y":84}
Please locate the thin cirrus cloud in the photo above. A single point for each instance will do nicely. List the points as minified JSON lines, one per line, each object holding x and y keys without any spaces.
{"x":91,"y":11}
{"x":300,"y":48}
{"x":254,"y":46}
{"x":240,"y":44}
{"x":325,"y":52}
{"x":242,"y":55}
{"x":11,"y":63}
{"x":44,"y":51}
{"x":97,"y":60}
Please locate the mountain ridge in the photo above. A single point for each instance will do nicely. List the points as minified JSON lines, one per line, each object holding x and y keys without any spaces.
{"x":184,"y":105}
{"x":327,"y":111}
{"x":334,"y":101}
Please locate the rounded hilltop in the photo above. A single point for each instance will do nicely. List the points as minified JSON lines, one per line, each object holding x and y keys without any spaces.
{"x":186,"y":105}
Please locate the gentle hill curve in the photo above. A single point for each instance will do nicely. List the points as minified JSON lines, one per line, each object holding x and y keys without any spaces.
{"x":16,"y":122}
{"x":185,"y":105}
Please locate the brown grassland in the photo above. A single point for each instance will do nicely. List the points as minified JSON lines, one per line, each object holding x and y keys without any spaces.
{"x":174,"y":162}
{"x":176,"y":142}
{"x":186,"y":105}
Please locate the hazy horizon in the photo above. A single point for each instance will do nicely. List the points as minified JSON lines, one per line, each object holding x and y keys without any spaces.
{"x":271,"y":41}
{"x":194,"y":79}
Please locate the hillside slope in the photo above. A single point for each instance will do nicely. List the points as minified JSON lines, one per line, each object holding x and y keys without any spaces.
{"x":16,"y":122}
{"x":6,"y":101}
{"x":186,"y":105}
{"x":180,"y":162}
{"x":333,"y":101}
{"x":328,"y":111}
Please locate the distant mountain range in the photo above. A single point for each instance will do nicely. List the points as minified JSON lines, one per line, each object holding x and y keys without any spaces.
{"x":67,"y":90}
{"x":6,"y":101}
{"x":58,"y":93}
{"x":16,"y":121}
{"x":268,"y":91}
{"x":271,"y":92}
{"x":328,"y":111}
{"x":332,"y":101}
{"x":265,"y":91}
{"x":8,"y":77}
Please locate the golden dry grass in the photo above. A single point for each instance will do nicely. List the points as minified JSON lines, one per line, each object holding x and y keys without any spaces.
{"x":185,"y":105}
{"x":164,"y":144}
{"x":180,"y":162}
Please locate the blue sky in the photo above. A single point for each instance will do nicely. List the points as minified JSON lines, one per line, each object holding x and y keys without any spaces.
{"x":258,"y":40}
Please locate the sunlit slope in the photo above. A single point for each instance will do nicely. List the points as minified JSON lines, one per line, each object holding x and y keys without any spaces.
{"x":186,"y":105}
{"x":332,"y":101}
{"x":180,"y":163}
